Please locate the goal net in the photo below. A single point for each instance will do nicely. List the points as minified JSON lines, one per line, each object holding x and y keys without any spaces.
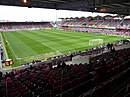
{"x":94,"y":42}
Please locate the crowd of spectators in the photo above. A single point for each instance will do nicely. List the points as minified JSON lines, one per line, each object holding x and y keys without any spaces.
{"x":107,"y":26}
{"x":15,"y":26}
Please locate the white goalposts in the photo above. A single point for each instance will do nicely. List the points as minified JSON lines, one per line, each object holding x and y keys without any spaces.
{"x":94,"y":42}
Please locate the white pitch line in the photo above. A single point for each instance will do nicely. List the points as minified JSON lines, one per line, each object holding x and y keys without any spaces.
{"x":11,"y":48}
{"x":50,"y":47}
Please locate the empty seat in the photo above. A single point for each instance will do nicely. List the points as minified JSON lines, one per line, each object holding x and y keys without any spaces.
{"x":13,"y":94}
{"x":56,"y":90}
{"x":75,"y":82}
{"x":66,"y":93}
{"x":97,"y":92}
{"x":65,"y":86}
{"x":44,"y":94}
{"x":38,"y":91}
{"x":57,"y":83}
{"x":28,"y":94}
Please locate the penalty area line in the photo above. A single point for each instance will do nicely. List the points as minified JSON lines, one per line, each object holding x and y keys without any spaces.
{"x":50,"y":47}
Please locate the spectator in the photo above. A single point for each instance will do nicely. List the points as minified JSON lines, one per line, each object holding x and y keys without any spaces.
{"x":111,"y":46}
{"x":33,"y":61}
{"x":71,"y":56}
{"x":59,"y":66}
{"x":113,"y":49}
{"x":108,"y":46}
{"x":0,"y":74}
{"x":63,"y":64}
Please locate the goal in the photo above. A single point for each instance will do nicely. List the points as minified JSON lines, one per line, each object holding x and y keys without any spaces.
{"x":94,"y":42}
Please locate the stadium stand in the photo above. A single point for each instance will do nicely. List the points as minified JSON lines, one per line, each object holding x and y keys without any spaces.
{"x":107,"y":75}
{"x":104,"y":73}
{"x":16,"y":26}
{"x":104,"y":76}
{"x":98,"y":24}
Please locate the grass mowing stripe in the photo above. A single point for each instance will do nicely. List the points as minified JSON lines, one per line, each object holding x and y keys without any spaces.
{"x":55,"y":33}
{"x":20,"y":48}
{"x":50,"y":47}
{"x":10,"y":47}
{"x":59,"y":42}
{"x":47,"y":41}
{"x":39,"y":37}
{"x":51,"y":36}
{"x":53,"y":49}
{"x":33,"y":43}
{"x":55,"y":39}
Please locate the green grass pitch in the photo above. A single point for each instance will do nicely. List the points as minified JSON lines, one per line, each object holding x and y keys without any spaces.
{"x":24,"y":46}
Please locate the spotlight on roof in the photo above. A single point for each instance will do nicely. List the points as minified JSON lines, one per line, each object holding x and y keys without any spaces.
{"x":24,"y":1}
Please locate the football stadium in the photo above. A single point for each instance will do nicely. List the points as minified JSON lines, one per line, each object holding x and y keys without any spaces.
{"x":85,"y":56}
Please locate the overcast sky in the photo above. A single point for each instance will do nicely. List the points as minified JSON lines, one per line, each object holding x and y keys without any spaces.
{"x":12,"y":13}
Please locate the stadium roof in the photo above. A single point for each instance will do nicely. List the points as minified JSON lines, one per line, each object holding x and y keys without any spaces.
{"x":121,"y":7}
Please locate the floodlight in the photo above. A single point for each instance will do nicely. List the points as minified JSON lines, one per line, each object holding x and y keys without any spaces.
{"x":24,"y":1}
